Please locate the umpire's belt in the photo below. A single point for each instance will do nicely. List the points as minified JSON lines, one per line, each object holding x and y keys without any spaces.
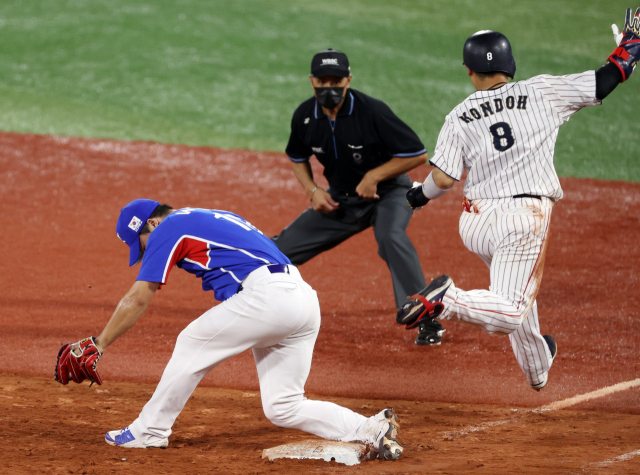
{"x":337,"y":192}
{"x":268,"y":270}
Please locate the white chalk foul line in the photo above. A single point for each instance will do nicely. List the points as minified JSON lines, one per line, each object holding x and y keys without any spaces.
{"x":554,"y":406}
{"x":606,"y":463}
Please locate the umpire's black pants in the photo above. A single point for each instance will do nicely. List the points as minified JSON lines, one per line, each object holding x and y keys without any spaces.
{"x":313,"y":232}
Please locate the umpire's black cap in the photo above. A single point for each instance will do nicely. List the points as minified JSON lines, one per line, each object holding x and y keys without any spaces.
{"x":330,"y":63}
{"x":489,"y":52}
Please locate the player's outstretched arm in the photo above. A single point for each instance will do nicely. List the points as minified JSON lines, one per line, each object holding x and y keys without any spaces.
{"x":624,"y":58}
{"x":77,"y":362}
{"x":128,"y":312}
{"x":436,"y":185}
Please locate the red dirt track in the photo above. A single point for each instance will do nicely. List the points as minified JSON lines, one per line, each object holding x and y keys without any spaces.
{"x":64,"y":270}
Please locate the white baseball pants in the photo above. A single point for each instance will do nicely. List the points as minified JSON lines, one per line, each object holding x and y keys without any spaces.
{"x":510,"y":236}
{"x":278,"y":317}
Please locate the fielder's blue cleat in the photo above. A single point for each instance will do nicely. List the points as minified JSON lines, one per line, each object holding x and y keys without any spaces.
{"x":124,"y":438}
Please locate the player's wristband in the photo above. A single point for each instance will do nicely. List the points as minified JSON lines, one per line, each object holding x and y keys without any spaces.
{"x":430,"y":189}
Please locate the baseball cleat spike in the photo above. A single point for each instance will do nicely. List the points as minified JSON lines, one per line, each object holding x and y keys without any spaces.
{"x":429,"y":333}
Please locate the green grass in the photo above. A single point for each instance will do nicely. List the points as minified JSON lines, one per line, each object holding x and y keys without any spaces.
{"x":230,"y":73}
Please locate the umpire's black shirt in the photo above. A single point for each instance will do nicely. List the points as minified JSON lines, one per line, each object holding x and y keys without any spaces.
{"x":365,"y":134}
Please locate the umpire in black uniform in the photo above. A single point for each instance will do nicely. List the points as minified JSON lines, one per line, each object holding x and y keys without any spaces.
{"x":366,"y":151}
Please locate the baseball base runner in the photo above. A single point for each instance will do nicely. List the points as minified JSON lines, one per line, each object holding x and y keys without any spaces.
{"x":505,"y":134}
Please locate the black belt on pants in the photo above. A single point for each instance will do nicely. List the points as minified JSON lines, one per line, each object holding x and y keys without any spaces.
{"x":274,"y":269}
{"x":278,"y":268}
{"x":524,"y":195}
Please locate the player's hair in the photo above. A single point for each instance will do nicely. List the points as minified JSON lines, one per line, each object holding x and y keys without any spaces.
{"x":160,"y":212}
{"x":487,"y":75}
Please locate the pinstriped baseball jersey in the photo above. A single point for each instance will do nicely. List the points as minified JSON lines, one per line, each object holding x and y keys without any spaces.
{"x":506,"y":136}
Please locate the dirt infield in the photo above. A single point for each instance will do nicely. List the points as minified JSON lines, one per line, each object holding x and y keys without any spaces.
{"x":64,"y":271}
{"x":59,"y":430}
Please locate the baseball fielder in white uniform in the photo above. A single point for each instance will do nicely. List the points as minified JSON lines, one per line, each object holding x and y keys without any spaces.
{"x":266,"y":306}
{"x":505,"y":135}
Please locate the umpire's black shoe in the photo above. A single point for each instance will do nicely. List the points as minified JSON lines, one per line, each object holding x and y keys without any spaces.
{"x":429,"y":333}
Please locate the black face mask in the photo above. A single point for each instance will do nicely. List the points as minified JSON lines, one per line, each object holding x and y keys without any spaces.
{"x":329,"y":97}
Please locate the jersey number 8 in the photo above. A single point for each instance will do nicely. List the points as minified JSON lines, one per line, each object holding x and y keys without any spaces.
{"x":502,"y":136}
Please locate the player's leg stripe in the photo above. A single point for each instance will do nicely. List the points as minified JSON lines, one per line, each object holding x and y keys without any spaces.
{"x":541,"y":345}
{"x":530,"y":356}
{"x":533,"y":350}
{"x":483,"y":310}
{"x":538,"y":361}
{"x":522,"y":353}
{"x":542,"y":252}
{"x":501,"y":324}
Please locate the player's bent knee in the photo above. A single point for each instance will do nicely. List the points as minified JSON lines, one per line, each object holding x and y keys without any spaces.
{"x":515,"y":324}
{"x":280,"y":414}
{"x":506,"y":326}
{"x":182,"y":341}
{"x":277,"y":418}
{"x":185,"y":340}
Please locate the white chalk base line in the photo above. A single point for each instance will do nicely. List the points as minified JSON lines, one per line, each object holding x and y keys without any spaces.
{"x":607,"y":463}
{"x":554,"y":406}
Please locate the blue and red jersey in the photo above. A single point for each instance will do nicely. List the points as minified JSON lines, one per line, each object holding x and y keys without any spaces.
{"x":219,"y":247}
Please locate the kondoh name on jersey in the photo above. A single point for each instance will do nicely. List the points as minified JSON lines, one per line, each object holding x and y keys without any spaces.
{"x":494,"y":106}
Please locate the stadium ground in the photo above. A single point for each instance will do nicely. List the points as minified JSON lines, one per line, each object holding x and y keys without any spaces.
{"x":229,"y":74}
{"x":224,"y":431}
{"x":66,"y":271}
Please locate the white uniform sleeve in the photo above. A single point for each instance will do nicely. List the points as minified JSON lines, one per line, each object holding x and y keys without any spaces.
{"x":449,"y":153}
{"x":568,"y":94}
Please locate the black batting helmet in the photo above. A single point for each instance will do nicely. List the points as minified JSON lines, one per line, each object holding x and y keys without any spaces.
{"x":489,"y":52}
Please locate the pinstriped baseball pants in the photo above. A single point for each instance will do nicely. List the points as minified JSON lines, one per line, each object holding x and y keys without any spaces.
{"x":510,"y":236}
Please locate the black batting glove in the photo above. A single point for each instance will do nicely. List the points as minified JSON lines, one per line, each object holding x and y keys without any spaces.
{"x":627,"y":54}
{"x":416,"y":197}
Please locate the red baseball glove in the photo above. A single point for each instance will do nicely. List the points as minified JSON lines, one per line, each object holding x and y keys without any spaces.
{"x":78,"y":361}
